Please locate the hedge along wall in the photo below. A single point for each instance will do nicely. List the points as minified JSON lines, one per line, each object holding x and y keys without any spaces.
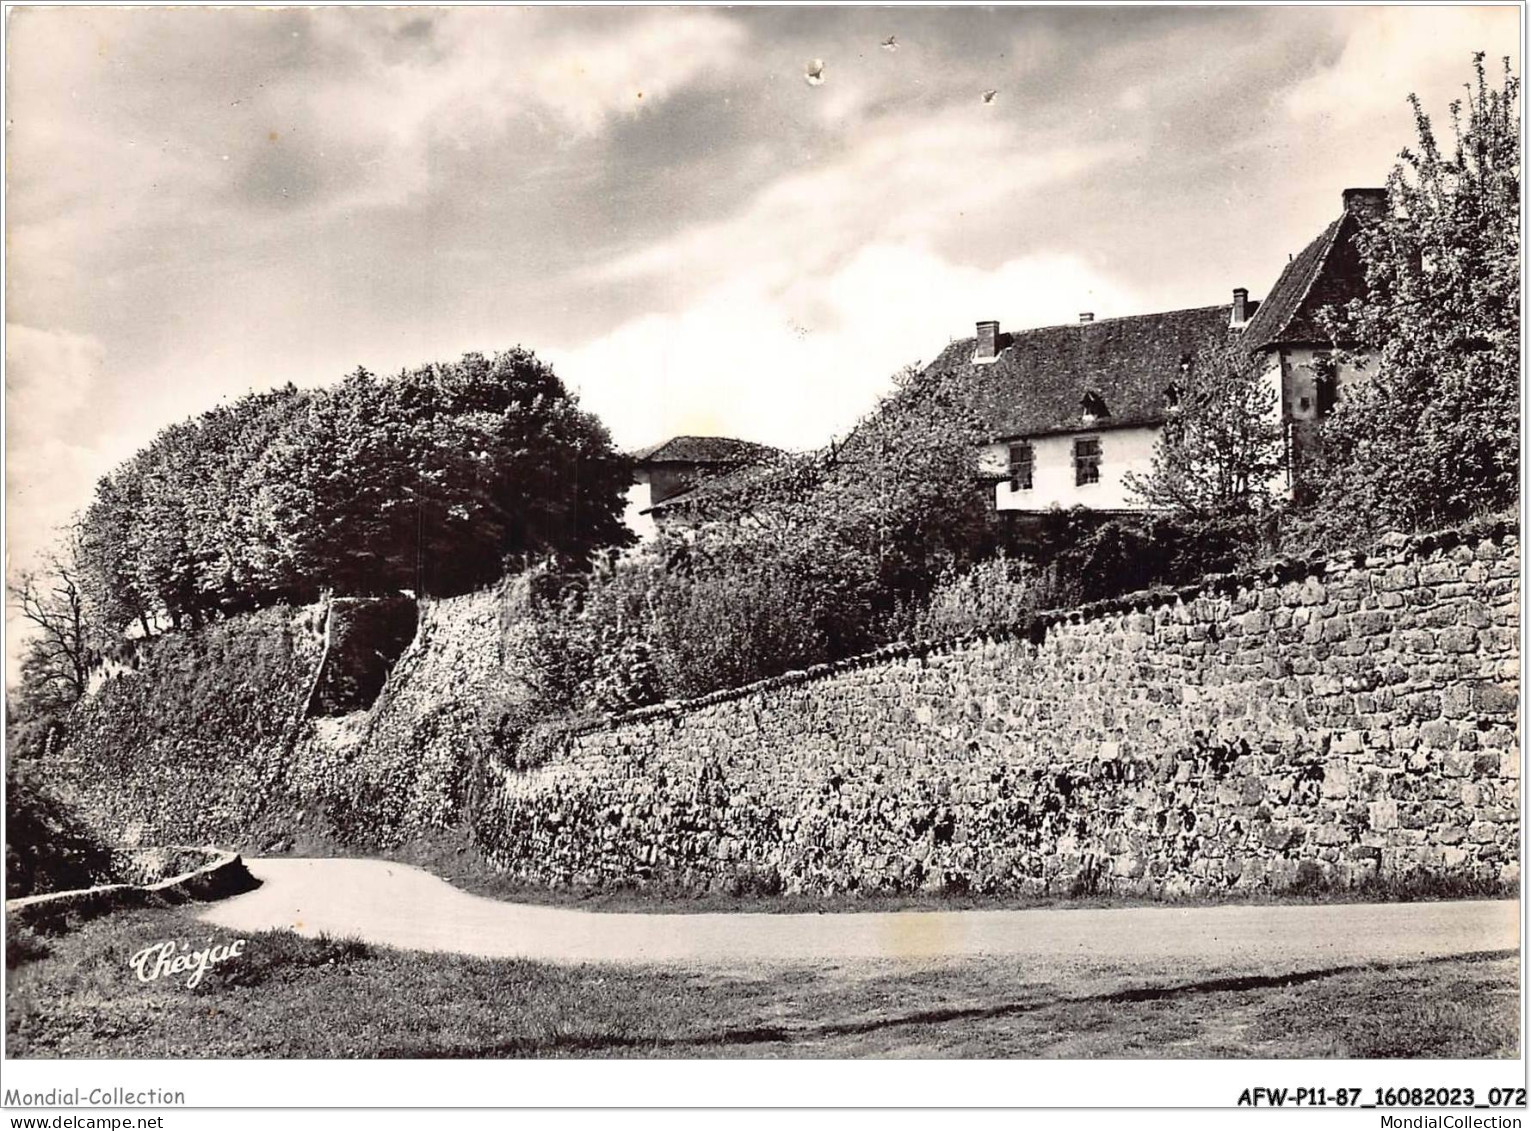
{"x":1316,"y":723}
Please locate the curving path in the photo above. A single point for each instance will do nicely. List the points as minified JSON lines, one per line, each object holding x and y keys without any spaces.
{"x":396,"y":905}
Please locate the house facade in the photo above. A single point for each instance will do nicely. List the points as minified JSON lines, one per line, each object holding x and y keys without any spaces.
{"x":1072,"y":411}
{"x":664,"y":474}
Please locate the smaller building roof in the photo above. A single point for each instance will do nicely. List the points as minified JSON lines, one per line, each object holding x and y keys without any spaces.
{"x":1329,"y":272}
{"x":702,"y":450}
{"x":710,"y":488}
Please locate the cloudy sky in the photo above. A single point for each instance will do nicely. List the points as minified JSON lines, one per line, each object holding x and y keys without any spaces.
{"x":657,"y":200}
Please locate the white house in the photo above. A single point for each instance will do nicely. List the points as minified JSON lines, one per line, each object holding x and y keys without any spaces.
{"x":1072,"y":410}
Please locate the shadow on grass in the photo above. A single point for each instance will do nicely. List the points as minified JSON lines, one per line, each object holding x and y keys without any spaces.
{"x":758,"y":1035}
{"x":25,"y":932}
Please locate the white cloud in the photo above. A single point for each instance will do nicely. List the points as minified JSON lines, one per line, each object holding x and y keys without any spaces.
{"x":355,"y":117}
{"x":1393,"y":50}
{"x":48,"y":375}
{"x":52,"y":381}
{"x":584,"y":81}
{"x":794,"y":366}
{"x":488,"y":68}
{"x":902,"y":181}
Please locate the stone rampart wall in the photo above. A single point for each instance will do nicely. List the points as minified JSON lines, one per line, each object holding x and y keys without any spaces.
{"x":1310,"y":724}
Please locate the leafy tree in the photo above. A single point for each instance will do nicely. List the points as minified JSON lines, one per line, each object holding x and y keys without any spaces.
{"x":1432,"y":436}
{"x":171,"y":534}
{"x":438,"y":479}
{"x":108,"y":567}
{"x":887,"y":511}
{"x":1221,"y":454}
{"x":62,"y":645}
{"x":435,"y":480}
{"x":810,"y":558}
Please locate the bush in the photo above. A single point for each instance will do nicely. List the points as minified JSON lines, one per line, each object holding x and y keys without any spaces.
{"x":48,"y":848}
{"x":1090,"y":557}
{"x":676,"y":620}
{"x":1001,"y":591}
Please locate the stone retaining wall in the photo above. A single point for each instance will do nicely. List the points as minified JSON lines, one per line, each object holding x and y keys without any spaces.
{"x":221,"y":874}
{"x":1307,"y":725}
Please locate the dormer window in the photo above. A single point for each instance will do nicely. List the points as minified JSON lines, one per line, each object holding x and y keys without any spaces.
{"x":1092,"y":407}
{"x":1172,"y":397}
{"x":1022,"y":463}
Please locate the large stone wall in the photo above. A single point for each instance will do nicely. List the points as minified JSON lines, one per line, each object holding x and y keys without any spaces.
{"x":240,"y":734}
{"x":1318,"y":723}
{"x":406,"y":764}
{"x":194,"y":744}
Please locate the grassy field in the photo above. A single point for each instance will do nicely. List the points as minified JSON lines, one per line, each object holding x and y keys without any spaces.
{"x":75,"y":995}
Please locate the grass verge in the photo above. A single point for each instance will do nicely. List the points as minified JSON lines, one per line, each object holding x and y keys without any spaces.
{"x":75,"y":995}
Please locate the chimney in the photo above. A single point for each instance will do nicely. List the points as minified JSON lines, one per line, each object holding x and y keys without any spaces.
{"x":1240,"y":306}
{"x":988,"y":342}
{"x":1087,"y":316}
{"x":1372,"y":201}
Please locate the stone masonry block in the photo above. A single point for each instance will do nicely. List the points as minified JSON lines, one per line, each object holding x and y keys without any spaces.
{"x":1459,"y":638}
{"x":1495,"y":699}
{"x":1336,"y":780}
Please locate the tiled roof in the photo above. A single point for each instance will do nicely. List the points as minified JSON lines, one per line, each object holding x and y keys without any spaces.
{"x":702,"y":450}
{"x":1042,"y":377}
{"x":1328,"y":272}
{"x":707,"y":490}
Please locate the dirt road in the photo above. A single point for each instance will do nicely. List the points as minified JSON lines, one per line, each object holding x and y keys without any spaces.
{"x":398,"y":906}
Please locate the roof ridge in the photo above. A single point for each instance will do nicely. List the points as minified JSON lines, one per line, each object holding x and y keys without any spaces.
{"x":1127,"y":318}
{"x":1098,"y":322}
